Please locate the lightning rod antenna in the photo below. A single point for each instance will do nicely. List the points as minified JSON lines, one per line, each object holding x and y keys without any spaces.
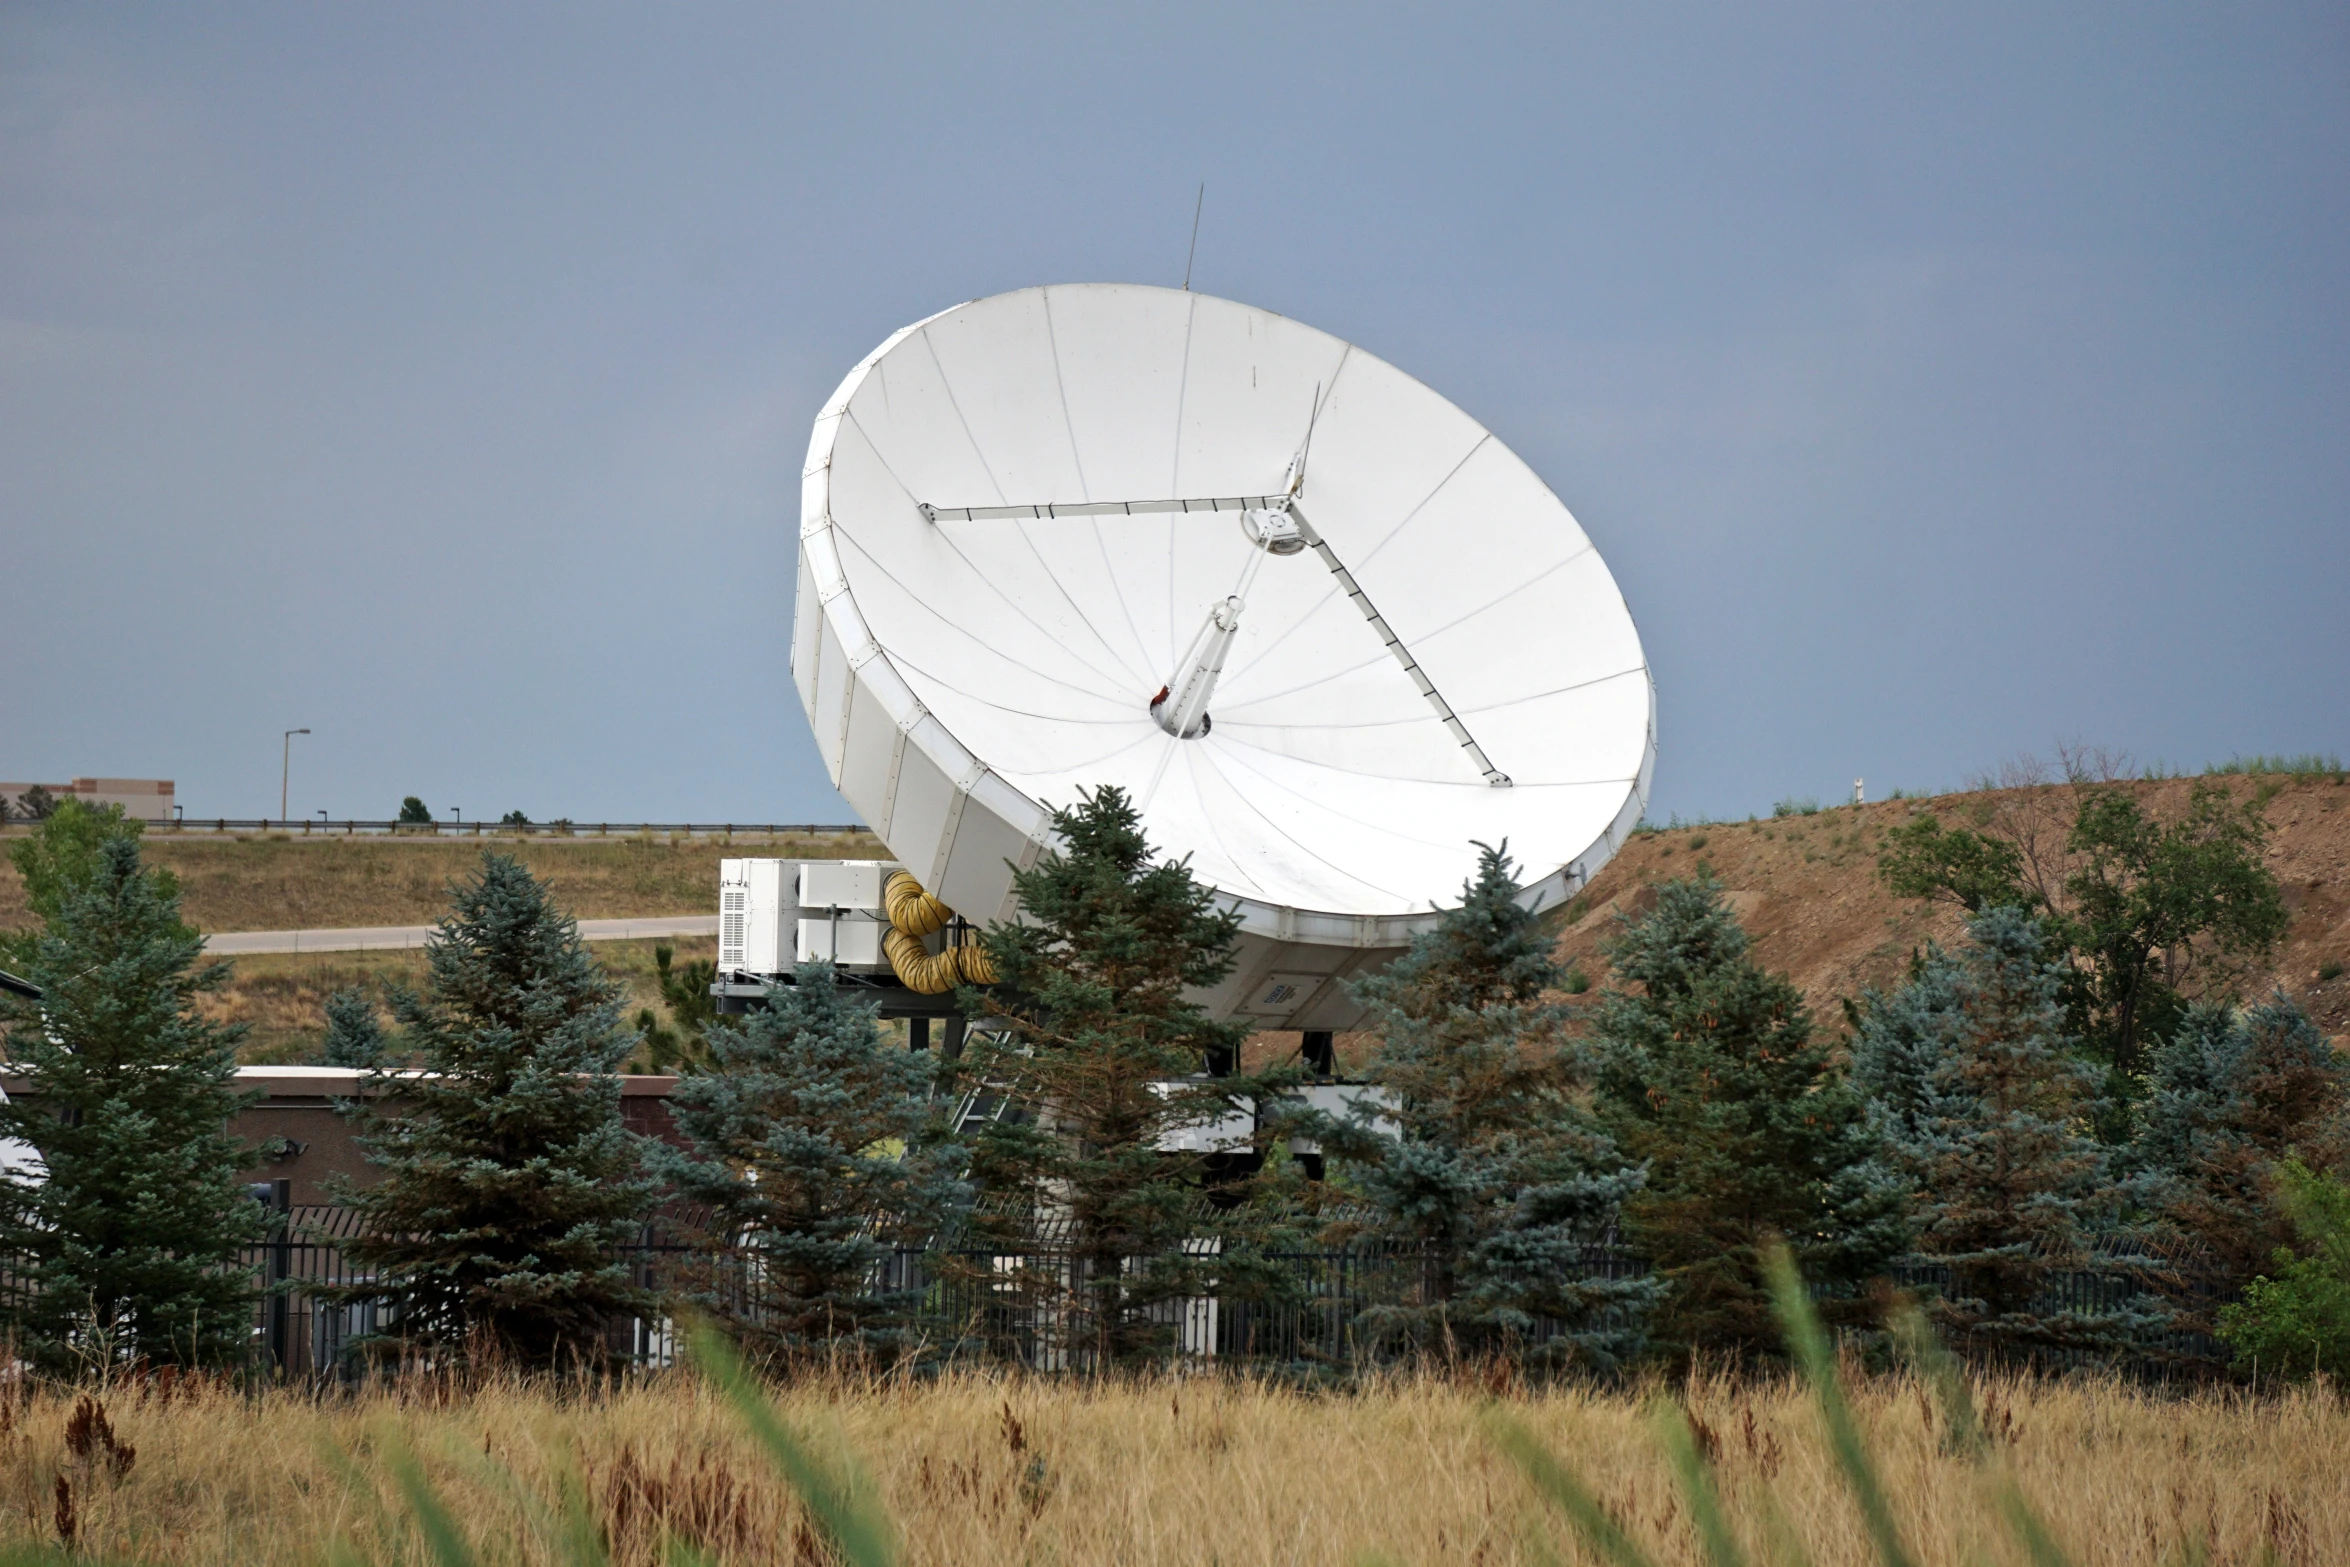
{"x":1297,"y":465}
{"x":1313,"y":417}
{"x":1197,"y":204}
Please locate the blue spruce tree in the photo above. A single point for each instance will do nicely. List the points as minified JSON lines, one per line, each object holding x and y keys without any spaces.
{"x":1481,"y":1155}
{"x":818,"y":1149}
{"x":508,"y":1178}
{"x":2232,"y":1094}
{"x":127,"y":1244}
{"x":1709,"y":1072}
{"x":355,"y":1035}
{"x":1988,"y":1119}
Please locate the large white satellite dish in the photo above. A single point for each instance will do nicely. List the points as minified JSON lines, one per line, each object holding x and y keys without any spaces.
{"x":1323,"y":626}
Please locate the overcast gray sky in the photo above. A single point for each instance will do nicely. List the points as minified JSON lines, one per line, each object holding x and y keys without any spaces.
{"x":1940,"y":383}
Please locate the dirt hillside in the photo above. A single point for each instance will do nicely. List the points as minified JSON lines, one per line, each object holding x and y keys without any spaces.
{"x":1806,"y":888}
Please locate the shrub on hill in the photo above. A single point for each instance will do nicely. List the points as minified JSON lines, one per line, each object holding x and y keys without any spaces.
{"x":2295,"y":1320}
{"x":70,"y":849}
{"x":679,"y":1045}
{"x":2146,"y":914}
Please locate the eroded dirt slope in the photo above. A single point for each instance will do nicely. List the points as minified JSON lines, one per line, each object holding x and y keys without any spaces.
{"x":1807,"y":888}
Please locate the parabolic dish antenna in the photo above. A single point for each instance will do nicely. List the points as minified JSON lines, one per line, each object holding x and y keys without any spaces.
{"x":1319,"y":623}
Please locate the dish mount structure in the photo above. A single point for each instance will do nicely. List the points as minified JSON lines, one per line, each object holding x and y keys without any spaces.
{"x":1324,"y":628}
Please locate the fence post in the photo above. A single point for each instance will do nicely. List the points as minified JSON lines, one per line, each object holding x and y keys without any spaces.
{"x":281,"y":1268}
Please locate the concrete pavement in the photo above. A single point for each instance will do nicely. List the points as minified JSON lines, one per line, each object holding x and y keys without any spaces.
{"x":369,"y":938}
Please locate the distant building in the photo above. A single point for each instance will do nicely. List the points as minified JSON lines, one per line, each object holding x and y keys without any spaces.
{"x":296,"y":1133}
{"x":141,"y":799}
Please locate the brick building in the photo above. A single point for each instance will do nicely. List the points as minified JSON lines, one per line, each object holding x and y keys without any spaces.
{"x":141,"y":799}
{"x":298,"y":1135}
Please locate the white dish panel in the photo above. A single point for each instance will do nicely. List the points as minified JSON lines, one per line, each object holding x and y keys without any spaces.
{"x":971,"y":673}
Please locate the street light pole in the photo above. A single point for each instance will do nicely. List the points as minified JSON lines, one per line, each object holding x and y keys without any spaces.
{"x":285,"y":771}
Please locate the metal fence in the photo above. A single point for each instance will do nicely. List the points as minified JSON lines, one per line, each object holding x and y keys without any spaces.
{"x":299,"y":1334}
{"x":1299,"y":1309}
{"x":315,"y":826}
{"x":2183,"y":1291}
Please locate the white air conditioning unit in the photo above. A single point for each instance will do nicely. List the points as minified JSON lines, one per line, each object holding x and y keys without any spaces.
{"x":756,"y":900}
{"x":841,"y":918}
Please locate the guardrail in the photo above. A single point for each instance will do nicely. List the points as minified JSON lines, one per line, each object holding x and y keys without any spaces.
{"x":314,"y":827}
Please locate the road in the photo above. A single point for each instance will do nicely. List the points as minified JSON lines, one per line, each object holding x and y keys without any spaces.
{"x":369,"y":938}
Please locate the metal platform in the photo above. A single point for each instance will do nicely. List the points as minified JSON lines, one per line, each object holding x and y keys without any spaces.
{"x":740,"y":993}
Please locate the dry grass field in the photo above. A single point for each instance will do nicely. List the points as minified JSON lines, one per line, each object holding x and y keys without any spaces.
{"x":283,"y":882}
{"x":979,"y":1471}
{"x":280,"y":997}
{"x":289,"y":882}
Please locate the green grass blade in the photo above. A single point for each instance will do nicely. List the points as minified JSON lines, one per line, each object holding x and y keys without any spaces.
{"x":361,"y":1490}
{"x":570,"y":1536}
{"x":2041,"y":1545}
{"x":1786,"y":1546}
{"x":442,"y":1536}
{"x":1809,"y":1342}
{"x":583,"y":1537}
{"x":1938,"y":1366}
{"x":856,"y":1529}
{"x":1697,"y":1486}
{"x":1567,"y":1494}
{"x":680,"y":1553}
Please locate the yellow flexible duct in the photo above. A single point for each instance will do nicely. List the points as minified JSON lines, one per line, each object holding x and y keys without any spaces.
{"x":914,"y":914}
{"x":930,"y":974}
{"x":911,"y":909}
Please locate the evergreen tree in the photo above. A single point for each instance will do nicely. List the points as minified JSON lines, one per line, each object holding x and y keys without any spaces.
{"x":818,"y":1147}
{"x":355,"y":1035}
{"x":1479,"y":1154}
{"x":1103,"y":1127}
{"x":2231,"y":1094}
{"x":680,"y":1045}
{"x":127,"y":1246}
{"x":1709,"y":1073}
{"x":1988,"y":1124}
{"x":507,"y":1175}
{"x":415,"y":813}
